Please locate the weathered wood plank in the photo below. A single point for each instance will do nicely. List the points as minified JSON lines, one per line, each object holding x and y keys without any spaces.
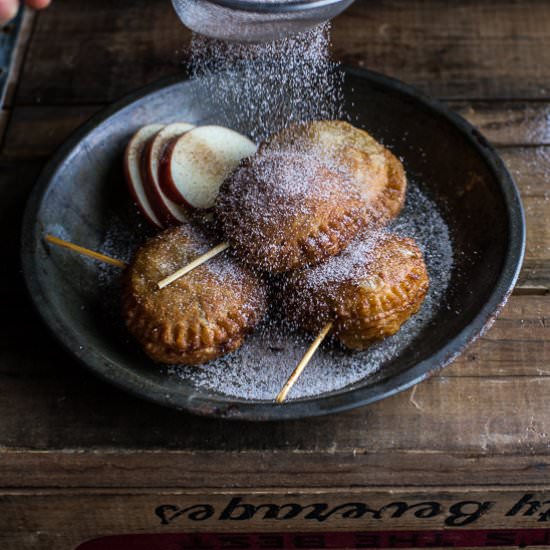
{"x":199,"y":469}
{"x":534,"y":278}
{"x":536,"y":215}
{"x":506,"y":123}
{"x":451,"y":49}
{"x":466,"y":50}
{"x":517,"y":345}
{"x":101,"y":50}
{"x":482,"y":418}
{"x":479,"y":415}
{"x":36,"y":131}
{"x":530,"y":167}
{"x":59,"y":520}
{"x":16,"y":182}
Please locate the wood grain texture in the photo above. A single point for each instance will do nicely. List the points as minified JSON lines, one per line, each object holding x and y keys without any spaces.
{"x":73,"y":410}
{"x":28,"y":469}
{"x":451,"y":49}
{"x":36,"y":131}
{"x":508,"y":123}
{"x":102,"y":50}
{"x":481,"y":421}
{"x":39,"y":518}
{"x":493,"y":49}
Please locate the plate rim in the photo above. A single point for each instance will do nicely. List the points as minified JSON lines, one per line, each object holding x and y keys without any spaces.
{"x":331,"y":403}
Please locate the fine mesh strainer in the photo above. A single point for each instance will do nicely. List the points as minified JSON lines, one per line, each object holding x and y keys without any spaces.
{"x":255,"y":20}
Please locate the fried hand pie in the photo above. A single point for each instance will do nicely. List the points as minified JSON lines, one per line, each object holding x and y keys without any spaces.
{"x":368,"y":291}
{"x":284,"y":209}
{"x":200,"y":316}
{"x":377,"y":172}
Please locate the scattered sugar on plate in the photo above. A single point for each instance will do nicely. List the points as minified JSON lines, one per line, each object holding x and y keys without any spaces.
{"x":276,"y":84}
{"x":259,"y":369}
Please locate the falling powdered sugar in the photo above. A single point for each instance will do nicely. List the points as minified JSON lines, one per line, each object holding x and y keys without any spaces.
{"x":274,"y":84}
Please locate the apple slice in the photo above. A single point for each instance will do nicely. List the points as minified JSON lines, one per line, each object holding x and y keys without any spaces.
{"x":132,"y":171}
{"x":155,"y":150}
{"x":195,"y":164}
{"x":168,"y":211}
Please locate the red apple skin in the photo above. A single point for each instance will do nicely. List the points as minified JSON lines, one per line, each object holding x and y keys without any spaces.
{"x":131,"y":187}
{"x":166,"y":179}
{"x":150,"y":160}
{"x":135,"y":198}
{"x":158,"y":202}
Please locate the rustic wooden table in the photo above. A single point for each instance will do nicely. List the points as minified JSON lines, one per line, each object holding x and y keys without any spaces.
{"x":79,"y":458}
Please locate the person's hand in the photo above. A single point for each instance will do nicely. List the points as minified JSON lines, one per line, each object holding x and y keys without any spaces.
{"x":8,"y":8}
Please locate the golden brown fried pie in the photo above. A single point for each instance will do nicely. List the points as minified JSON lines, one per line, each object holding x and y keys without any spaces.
{"x":200,"y":316}
{"x":283,"y":209}
{"x":378,"y":173}
{"x":369,"y":291}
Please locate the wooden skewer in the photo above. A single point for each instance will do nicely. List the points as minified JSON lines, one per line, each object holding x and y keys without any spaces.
{"x":195,"y":263}
{"x":186,"y":269}
{"x":303,"y":363}
{"x":84,"y":251}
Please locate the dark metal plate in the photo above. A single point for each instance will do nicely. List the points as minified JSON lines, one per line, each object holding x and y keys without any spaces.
{"x":80,"y":190}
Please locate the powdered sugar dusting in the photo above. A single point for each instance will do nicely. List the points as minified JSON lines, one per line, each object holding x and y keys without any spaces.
{"x":282,"y":196}
{"x":290,"y":205}
{"x":348,"y":264}
{"x":258,"y":370}
{"x":275,"y":85}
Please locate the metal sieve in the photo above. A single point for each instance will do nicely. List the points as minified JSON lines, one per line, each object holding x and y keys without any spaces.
{"x":255,"y":20}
